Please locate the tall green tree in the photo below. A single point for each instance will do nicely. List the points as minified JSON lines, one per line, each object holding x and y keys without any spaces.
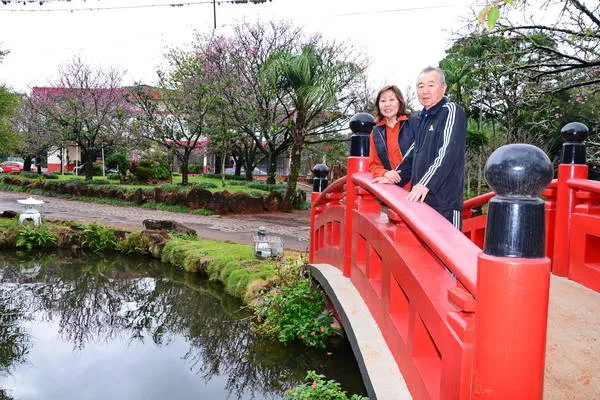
{"x":317,"y":86}
{"x":9,"y":106}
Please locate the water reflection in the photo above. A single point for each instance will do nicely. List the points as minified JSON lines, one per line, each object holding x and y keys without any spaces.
{"x":111,"y":326}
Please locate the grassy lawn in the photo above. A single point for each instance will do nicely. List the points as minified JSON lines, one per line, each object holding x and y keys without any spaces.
{"x":211,"y":184}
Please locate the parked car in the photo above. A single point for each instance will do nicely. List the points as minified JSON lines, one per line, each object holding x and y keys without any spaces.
{"x":11,"y":166}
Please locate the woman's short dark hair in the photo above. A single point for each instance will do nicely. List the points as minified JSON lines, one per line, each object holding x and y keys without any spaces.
{"x":401,"y":110}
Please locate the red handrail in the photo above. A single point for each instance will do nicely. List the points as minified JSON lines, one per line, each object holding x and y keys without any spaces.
{"x":336,"y":186}
{"x":584,"y":184}
{"x":454,"y":249}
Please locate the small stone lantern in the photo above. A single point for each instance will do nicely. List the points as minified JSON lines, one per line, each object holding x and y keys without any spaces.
{"x":267,"y":246}
{"x":30,"y":212}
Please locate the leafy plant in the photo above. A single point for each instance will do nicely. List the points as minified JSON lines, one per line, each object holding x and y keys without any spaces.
{"x":134,"y":243}
{"x":35,"y":237}
{"x":317,"y":388}
{"x":98,"y":237}
{"x":296,"y":313}
{"x":206,"y":185}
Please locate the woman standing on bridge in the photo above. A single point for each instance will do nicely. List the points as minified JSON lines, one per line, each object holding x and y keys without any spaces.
{"x":391,"y":137}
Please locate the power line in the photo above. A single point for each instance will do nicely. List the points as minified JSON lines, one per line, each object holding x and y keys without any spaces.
{"x":178,"y":4}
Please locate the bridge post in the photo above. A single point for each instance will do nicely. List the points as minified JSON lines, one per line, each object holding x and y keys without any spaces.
{"x":572,"y":166}
{"x":361,"y":125}
{"x":320,"y":183}
{"x":513,"y":279}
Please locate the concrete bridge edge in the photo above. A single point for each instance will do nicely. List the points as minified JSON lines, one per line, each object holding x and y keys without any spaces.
{"x":380,"y":372}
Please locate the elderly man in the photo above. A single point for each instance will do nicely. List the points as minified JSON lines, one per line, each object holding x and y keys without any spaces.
{"x":437,"y":157}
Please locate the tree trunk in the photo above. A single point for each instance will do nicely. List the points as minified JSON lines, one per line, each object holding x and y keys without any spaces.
{"x":272,"y":168}
{"x":185,"y":164}
{"x":89,"y":165}
{"x":238,"y":165}
{"x":27,"y":163}
{"x":223,"y":169}
{"x":289,"y":199}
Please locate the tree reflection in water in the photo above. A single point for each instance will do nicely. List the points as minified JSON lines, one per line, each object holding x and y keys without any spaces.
{"x":110,"y":297}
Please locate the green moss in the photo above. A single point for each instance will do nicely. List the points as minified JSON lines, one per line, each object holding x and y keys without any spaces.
{"x":232,"y":264}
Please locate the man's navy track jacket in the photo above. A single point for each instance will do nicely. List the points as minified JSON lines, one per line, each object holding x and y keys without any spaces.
{"x":437,"y":158}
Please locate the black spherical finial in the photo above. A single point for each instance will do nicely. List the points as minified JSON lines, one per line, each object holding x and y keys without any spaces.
{"x":518,"y":170}
{"x":574,"y":132}
{"x":362,"y":123}
{"x":320,"y":171}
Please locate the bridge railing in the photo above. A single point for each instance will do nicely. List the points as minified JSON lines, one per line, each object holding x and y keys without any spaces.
{"x":572,"y":214}
{"x":443,"y":306}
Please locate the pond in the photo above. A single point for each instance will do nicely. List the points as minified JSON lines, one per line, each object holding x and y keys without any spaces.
{"x":113,"y":327}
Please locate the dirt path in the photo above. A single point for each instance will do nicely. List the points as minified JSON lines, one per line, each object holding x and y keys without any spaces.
{"x":292,"y":227}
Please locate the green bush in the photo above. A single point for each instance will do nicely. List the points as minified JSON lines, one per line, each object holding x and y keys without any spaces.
{"x":317,"y":388}
{"x":35,"y":237}
{"x":52,"y":175}
{"x":297,"y":313}
{"x":227,"y":176}
{"x":113,"y":177}
{"x":98,"y":182}
{"x":144,"y":170}
{"x":31,"y":175}
{"x":119,"y":161}
{"x":195,"y":168}
{"x":97,"y":237}
{"x":135,"y":243}
{"x":206,"y":185}
{"x":260,"y":185}
{"x":161,"y":171}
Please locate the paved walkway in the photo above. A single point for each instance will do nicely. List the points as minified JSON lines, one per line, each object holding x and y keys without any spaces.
{"x":292,"y":227}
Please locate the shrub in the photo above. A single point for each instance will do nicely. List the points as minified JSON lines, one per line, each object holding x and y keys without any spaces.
{"x":296,"y":313}
{"x":144,"y":170}
{"x":135,"y":243}
{"x":98,"y":182}
{"x":31,"y":175}
{"x":97,"y":237}
{"x":52,"y":175}
{"x":35,"y":237}
{"x":161,"y":171}
{"x":113,"y":177}
{"x":119,"y":161}
{"x":316,"y":388}
{"x":195,"y":168}
{"x":206,"y":185}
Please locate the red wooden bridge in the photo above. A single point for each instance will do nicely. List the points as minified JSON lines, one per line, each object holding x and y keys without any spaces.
{"x":459,"y":321}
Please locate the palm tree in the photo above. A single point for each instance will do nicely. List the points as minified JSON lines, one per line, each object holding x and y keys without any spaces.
{"x":315,"y":87}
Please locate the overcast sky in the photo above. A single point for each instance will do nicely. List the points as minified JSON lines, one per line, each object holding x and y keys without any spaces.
{"x":399,"y":36}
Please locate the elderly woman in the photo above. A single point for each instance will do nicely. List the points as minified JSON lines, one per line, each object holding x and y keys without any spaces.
{"x":391,"y":138}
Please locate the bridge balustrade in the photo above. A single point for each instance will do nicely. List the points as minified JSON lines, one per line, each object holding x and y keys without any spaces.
{"x":572,"y":214}
{"x":443,"y":306}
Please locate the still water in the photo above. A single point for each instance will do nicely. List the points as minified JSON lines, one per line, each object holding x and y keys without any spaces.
{"x":113,"y":327}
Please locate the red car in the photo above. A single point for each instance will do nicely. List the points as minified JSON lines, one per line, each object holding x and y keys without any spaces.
{"x":11,"y":166}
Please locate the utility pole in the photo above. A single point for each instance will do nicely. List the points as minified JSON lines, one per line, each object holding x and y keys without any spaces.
{"x":214,"y":14}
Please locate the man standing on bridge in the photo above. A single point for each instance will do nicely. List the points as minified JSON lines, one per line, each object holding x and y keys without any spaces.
{"x":437,"y":157}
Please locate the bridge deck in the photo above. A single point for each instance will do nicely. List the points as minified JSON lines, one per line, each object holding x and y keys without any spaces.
{"x":573,"y":340}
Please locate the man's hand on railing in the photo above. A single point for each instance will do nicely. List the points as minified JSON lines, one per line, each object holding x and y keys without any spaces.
{"x":418,"y":193}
